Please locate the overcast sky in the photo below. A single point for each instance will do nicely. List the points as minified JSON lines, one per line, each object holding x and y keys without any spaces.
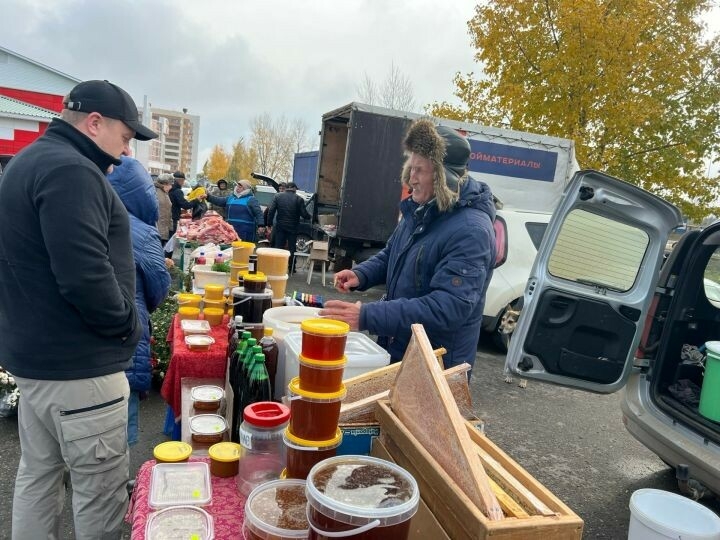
{"x":231,"y":60}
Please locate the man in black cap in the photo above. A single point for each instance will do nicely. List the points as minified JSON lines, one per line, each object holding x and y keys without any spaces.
{"x":66,"y":267}
{"x":290,"y":207}
{"x":438,"y":262}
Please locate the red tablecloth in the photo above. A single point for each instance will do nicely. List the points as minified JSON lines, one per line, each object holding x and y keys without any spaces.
{"x":209,"y":364}
{"x":227,"y":508}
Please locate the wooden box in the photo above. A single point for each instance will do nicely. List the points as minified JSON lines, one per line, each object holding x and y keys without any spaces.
{"x":319,"y":250}
{"x":531,"y":510}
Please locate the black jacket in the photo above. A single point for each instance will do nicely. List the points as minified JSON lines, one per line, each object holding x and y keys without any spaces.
{"x":178,"y":201}
{"x":290,"y":207}
{"x":67,"y":274}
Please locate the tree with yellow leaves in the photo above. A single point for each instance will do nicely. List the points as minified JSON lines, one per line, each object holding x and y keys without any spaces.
{"x":217,"y":164}
{"x":633,"y":82}
{"x":242,"y":162}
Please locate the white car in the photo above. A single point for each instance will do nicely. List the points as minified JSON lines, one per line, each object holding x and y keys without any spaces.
{"x":604,"y":310}
{"x":518,"y":235}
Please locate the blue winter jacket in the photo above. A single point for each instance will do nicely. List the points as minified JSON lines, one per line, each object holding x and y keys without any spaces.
{"x":135,"y":188}
{"x":436,"y":267}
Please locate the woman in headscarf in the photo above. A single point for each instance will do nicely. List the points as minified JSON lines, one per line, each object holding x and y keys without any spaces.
{"x":243,"y":211}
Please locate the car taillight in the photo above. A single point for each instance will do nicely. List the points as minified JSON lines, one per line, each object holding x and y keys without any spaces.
{"x":501,"y":241}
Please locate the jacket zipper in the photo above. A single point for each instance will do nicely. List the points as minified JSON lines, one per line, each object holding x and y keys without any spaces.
{"x":93,"y":407}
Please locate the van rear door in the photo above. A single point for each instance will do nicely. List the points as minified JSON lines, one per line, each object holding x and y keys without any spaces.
{"x":591,"y":284}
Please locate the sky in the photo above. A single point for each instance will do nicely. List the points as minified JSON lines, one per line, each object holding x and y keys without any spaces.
{"x":229,"y":61}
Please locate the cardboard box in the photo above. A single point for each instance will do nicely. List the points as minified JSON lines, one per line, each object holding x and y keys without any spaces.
{"x":319,"y":250}
{"x":327,"y":219}
{"x":358,"y":438}
{"x":538,"y":514}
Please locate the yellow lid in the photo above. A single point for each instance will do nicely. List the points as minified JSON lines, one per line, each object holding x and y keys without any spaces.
{"x":325,"y":327}
{"x":294,"y":388}
{"x":172,"y":451}
{"x":327,"y":364}
{"x":195,"y":193}
{"x":242,"y":244}
{"x":292,"y":439}
{"x":186,"y":298}
{"x":224,"y":451}
{"x":267,"y":331}
{"x":214,"y":288}
{"x":189,"y":310}
{"x":213,"y":311}
{"x":254,"y":277}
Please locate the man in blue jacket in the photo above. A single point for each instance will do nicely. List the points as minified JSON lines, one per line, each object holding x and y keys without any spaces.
{"x":438,"y":262}
{"x":68,"y":319}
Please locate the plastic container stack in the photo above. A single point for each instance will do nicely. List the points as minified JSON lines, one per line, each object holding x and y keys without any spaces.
{"x":274,"y":263}
{"x":315,"y":396}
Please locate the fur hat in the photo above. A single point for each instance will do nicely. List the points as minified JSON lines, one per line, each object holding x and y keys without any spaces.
{"x":449,"y":153}
{"x":222,"y":181}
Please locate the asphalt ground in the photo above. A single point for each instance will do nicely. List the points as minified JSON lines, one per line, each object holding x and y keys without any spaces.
{"x":571,"y":441}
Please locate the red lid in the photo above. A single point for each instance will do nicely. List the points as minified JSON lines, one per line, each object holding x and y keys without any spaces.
{"x":266,"y":414}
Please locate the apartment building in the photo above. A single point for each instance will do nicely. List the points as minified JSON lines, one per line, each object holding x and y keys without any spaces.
{"x":176,"y":149}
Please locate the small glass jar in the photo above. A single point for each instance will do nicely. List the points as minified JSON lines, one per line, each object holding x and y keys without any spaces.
{"x":262,"y":455}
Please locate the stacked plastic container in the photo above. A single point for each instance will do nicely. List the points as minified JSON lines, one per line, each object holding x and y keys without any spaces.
{"x":315,"y":396}
{"x":274,"y":263}
{"x":240,"y":258}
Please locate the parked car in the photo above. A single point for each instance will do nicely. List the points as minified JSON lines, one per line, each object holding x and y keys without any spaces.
{"x":518,"y":234}
{"x":602,"y":312}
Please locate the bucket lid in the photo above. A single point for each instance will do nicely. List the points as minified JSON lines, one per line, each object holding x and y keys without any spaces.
{"x":294,"y":388}
{"x":332,"y":490}
{"x":180,"y":521}
{"x":188,"y":310}
{"x":214,"y":310}
{"x":214,"y":287}
{"x":277,"y":508}
{"x":325,"y":327}
{"x":673,"y":515}
{"x":272,"y":252}
{"x":172,"y":451}
{"x":242,"y":244}
{"x":259,"y":276}
{"x":199,"y":340}
{"x":713,"y":347}
{"x":184,"y":298}
{"x":266,"y":414}
{"x":322,"y":364}
{"x":304,"y":444}
{"x":225,"y":451}
{"x":240,"y":292}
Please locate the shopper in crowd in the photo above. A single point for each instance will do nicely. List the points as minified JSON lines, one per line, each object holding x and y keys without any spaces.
{"x":220,"y":190}
{"x":289,"y":207}
{"x":163,"y":183}
{"x":438,"y":262}
{"x":178,"y":200}
{"x":152,"y":281}
{"x":243,"y":211}
{"x":66,"y":268}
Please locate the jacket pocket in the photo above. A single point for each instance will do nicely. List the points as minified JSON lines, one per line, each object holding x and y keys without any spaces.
{"x":95,"y":438}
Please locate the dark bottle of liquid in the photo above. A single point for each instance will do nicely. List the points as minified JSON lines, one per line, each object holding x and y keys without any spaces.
{"x":258,"y":382}
{"x":270,"y":350}
{"x":236,"y":380}
{"x":252,"y":264}
{"x":246,"y":369}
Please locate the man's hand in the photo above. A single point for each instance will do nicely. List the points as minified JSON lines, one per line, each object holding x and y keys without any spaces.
{"x":346,"y":280}
{"x":169,"y":263}
{"x":343,"y":311}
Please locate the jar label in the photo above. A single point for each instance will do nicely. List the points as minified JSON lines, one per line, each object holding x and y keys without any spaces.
{"x":245,"y":439}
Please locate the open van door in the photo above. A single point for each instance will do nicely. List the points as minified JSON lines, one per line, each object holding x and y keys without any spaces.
{"x":591,"y":285}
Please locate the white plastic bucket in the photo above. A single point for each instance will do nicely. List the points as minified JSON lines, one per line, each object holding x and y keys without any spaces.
{"x":657,"y":514}
{"x":284,"y":319}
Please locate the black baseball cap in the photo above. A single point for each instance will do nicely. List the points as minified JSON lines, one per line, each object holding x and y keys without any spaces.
{"x":109,"y":100}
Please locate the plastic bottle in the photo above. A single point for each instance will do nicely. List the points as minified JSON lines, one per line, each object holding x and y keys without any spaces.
{"x":200,"y":259}
{"x":219,"y":258}
{"x":236,"y":381}
{"x":235,"y":328}
{"x":270,"y":350}
{"x":247,"y":367}
{"x":258,"y":386}
{"x":252,"y":264}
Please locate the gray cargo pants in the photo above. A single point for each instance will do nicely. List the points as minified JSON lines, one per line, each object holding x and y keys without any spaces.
{"x":81,"y":424}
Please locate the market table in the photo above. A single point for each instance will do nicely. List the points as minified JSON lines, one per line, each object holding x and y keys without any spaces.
{"x":210,"y":364}
{"x":227,"y":508}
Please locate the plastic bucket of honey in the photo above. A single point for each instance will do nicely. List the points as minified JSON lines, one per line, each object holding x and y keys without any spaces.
{"x":276,"y":510}
{"x":235,"y":269}
{"x":314,"y":416}
{"x":220,"y":303}
{"x":213,"y":315}
{"x":302,"y":455}
{"x":214,"y":291}
{"x":324,"y":339}
{"x":278,"y":284}
{"x":321,"y":375}
{"x":189,"y":300}
{"x":187,"y":312}
{"x":273,"y":261}
{"x":241,"y":252}
{"x":360,"y":497}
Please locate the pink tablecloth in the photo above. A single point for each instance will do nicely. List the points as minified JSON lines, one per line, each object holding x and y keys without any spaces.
{"x":227,"y":508}
{"x":209,"y":364}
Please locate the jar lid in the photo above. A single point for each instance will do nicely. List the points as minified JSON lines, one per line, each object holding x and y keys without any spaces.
{"x":323,"y":364}
{"x":294,"y":388}
{"x":199,"y":340}
{"x":184,"y":298}
{"x":325,"y":327}
{"x":292,"y":440}
{"x":242,"y":244}
{"x":225,"y":451}
{"x":172,"y":451}
{"x":266,"y":414}
{"x":259,"y":276}
{"x":214,"y":287}
{"x":207,"y":392}
{"x":214,"y":311}
{"x":188,"y":310}
{"x":207,"y":424}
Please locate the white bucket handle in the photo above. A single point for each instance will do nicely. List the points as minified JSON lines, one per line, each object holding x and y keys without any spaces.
{"x":240,"y":301}
{"x":342,"y":534}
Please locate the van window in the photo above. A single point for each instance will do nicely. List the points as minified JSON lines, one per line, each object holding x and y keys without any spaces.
{"x":536,"y":231}
{"x":265,"y":197}
{"x":596,"y":250}
{"x":711,"y":279}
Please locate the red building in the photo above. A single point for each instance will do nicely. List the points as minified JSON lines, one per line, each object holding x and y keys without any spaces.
{"x":31,"y":96}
